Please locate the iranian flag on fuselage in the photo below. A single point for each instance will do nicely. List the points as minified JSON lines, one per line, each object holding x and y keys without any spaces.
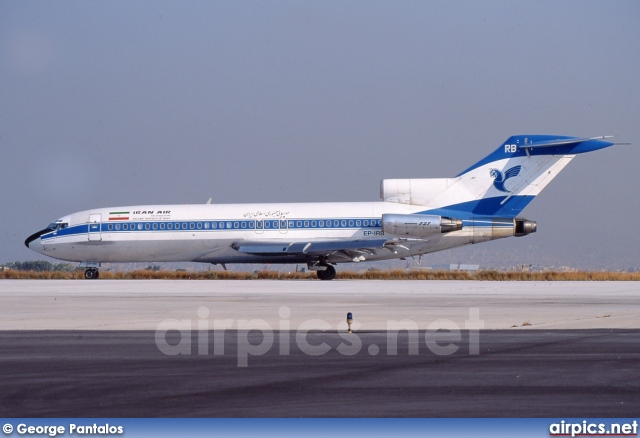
{"x":118,"y":215}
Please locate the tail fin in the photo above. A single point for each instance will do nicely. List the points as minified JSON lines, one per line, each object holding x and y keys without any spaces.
{"x":501,"y":184}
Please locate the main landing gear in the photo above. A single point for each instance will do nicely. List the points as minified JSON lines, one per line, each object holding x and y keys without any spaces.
{"x":327,"y":274}
{"x":91,"y":274}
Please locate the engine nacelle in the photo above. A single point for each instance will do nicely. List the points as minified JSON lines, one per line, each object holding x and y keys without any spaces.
{"x":483,"y":229}
{"x":419,"y":225}
{"x":524,"y":227}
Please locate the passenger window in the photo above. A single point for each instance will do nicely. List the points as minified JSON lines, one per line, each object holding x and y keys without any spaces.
{"x":117,"y":227}
{"x":199,"y":225}
{"x":306,"y":224}
{"x":236,"y":225}
{"x":170,"y":226}
{"x":299,"y":224}
{"x":336,"y":223}
{"x":184,"y":225}
{"x":244,"y":224}
{"x":146,"y":226}
{"x":252,"y":224}
{"x":140,"y":226}
{"x":321,"y":224}
{"x":206,"y":225}
{"x":162,"y":226}
{"x":214,"y":225}
{"x":110,"y":227}
{"x":350,"y":223}
{"x":155,"y":226}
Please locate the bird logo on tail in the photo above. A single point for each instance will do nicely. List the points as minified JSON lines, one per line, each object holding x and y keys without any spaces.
{"x":499,"y":179}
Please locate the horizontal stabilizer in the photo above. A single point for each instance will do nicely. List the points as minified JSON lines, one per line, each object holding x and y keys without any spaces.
{"x":560,"y":142}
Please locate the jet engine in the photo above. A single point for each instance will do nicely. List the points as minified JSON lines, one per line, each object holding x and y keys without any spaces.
{"x":524,"y":227}
{"x":419,"y":225}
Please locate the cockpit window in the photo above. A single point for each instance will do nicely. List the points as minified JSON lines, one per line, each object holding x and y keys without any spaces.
{"x":54,"y":226}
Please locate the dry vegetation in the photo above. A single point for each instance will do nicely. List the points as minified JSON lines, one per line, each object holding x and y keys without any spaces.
{"x":396,"y":274}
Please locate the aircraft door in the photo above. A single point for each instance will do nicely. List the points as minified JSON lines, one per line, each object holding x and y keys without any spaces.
{"x":259,"y":226}
{"x":284,"y":226}
{"x":94,"y":225}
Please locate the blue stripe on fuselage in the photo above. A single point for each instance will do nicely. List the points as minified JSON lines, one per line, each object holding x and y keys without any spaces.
{"x":255,"y":225}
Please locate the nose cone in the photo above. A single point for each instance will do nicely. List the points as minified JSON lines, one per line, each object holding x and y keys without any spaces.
{"x":33,"y":242}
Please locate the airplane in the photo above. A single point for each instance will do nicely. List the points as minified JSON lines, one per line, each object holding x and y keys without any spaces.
{"x":414,"y":217}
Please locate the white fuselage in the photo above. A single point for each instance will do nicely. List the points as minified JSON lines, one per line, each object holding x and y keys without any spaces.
{"x":205,"y":233}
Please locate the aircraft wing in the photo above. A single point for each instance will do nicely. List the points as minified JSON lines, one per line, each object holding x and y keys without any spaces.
{"x":335,"y":251}
{"x":309,"y":247}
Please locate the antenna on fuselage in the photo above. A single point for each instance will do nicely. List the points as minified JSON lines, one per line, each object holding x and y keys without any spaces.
{"x":209,"y":201}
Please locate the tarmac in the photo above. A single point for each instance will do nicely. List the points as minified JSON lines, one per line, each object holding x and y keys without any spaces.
{"x":144,"y":304}
{"x":280,"y":349}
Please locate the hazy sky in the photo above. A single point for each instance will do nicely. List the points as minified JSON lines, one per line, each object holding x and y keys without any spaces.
{"x":135,"y":102}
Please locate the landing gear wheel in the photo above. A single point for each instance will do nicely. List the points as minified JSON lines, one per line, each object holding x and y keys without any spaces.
{"x":91,"y":274}
{"x":327,"y":274}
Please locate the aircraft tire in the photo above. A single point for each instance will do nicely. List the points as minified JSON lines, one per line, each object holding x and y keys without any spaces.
{"x":327,"y":274}
{"x":91,"y":274}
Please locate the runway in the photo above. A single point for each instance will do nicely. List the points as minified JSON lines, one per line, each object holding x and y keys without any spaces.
{"x":549,"y":373}
{"x":280,"y":349}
